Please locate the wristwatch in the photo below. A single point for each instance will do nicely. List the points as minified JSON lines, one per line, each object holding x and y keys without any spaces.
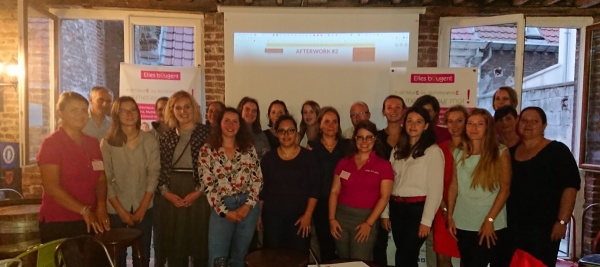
{"x":490,"y":219}
{"x":562,"y":222}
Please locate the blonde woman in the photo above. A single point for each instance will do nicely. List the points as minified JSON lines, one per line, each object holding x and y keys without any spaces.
{"x":478,"y":193}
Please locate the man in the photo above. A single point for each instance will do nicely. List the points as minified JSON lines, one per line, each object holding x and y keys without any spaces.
{"x":99,"y":122}
{"x":359,"y":111}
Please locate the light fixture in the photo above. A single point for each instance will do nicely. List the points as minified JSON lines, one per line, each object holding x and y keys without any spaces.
{"x":9,"y":73}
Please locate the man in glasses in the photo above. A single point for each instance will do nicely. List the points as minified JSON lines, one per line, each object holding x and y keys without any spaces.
{"x":359,"y":111}
{"x":99,"y":122}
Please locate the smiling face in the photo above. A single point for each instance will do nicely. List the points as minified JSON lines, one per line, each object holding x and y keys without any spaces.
{"x":365,"y":140}
{"x":160,"y":110}
{"x":531,"y":125}
{"x":74,"y":116}
{"x":507,"y":124}
{"x":501,"y":98}
{"x":230,"y":124}
{"x":476,"y":127}
{"x":393,"y":110}
{"x":309,"y":115}
{"x":128,"y":114}
{"x":249,"y":113}
{"x":213,"y":112}
{"x":415,"y":126}
{"x":456,"y":123}
{"x":287,"y":133}
{"x":329,"y":124}
{"x":183,"y":111}
{"x":358,"y":113}
{"x":276,"y":111}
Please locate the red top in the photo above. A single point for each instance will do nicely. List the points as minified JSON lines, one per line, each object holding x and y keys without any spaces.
{"x":361,"y":188}
{"x":77,"y":175}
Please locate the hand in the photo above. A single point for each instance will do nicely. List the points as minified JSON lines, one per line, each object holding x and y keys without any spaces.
{"x":424,"y":230}
{"x":335,"y":229}
{"x":91,"y":222}
{"x":103,"y":221}
{"x":386,"y":224}
{"x":558,"y":231}
{"x":259,"y":225}
{"x":363,"y":232}
{"x":487,"y":233}
{"x":303,"y":224}
{"x":243,"y":210}
{"x":308,"y":147}
{"x":233,"y":217}
{"x":138,"y":215}
{"x":174,"y":199}
{"x":126,"y":217}
{"x":189,"y":199}
{"x":451,"y":227}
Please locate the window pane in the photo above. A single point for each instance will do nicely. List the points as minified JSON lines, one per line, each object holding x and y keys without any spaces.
{"x":164,"y":46}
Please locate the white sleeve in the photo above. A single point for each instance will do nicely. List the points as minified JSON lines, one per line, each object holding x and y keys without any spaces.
{"x":435,"y":183}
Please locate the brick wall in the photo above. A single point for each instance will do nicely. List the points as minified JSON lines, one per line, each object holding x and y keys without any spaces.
{"x":214,"y":57}
{"x":113,"y":53}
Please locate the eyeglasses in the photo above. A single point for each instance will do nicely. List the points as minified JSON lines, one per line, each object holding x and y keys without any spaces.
{"x":354,"y":115}
{"x":128,"y":111}
{"x":286,"y":132}
{"x":367,"y":138}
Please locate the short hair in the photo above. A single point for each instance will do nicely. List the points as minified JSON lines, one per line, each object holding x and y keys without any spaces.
{"x":170,"y":115}
{"x":428,"y":99}
{"x":361,"y":103}
{"x":276,"y":102}
{"x":512,"y":95}
{"x":256,"y":128}
{"x":65,"y":98}
{"x":539,"y":111}
{"x":97,"y":89}
{"x":504,"y":111}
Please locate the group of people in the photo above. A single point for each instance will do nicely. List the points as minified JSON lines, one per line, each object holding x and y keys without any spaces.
{"x":479,"y":189}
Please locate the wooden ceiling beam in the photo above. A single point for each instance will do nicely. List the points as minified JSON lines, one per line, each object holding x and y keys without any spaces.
{"x":519,"y":2}
{"x":586,"y":3}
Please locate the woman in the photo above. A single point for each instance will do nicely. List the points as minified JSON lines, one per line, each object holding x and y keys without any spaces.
{"x":393,"y":111}
{"x":545,"y":181}
{"x":328,"y":150}
{"x":212,"y":112}
{"x":183,"y":226}
{"x":276,"y":109}
{"x":290,"y":192}
{"x":232,"y":176}
{"x":70,"y":162}
{"x":159,"y":126}
{"x":444,"y":243}
{"x":506,"y":126}
{"x":418,"y":165}
{"x":361,"y":189}
{"x":478,"y":193}
{"x":505,"y":95}
{"x":132,"y":167}
{"x":250,"y":111}
{"x":309,"y":128}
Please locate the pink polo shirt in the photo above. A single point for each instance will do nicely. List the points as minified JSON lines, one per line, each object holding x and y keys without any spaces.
{"x":361,"y":188}
{"x":77,"y":175}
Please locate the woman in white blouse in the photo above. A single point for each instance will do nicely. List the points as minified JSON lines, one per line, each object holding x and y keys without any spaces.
{"x":418,"y":165}
{"x":230,"y":170}
{"x":132,"y":166}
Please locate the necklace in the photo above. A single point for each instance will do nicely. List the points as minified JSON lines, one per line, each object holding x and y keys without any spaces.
{"x":329,"y":146}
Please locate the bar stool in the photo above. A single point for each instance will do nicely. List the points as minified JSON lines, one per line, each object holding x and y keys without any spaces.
{"x":276,"y":257}
{"x":117,"y":240}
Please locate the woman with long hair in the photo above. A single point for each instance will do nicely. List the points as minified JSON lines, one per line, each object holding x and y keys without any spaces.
{"x":250,"y":111}
{"x":276,"y":109}
{"x":444,"y":243}
{"x":184,"y":213}
{"x":290,"y":192}
{"x":309,"y":128}
{"x":418,"y":186}
{"x":328,"y":149}
{"x":478,"y":192}
{"x":361,"y":189}
{"x":70,"y":162}
{"x":132,"y":167}
{"x":231,"y":174}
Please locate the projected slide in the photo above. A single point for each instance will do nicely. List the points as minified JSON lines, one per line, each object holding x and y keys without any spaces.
{"x":320,"y":48}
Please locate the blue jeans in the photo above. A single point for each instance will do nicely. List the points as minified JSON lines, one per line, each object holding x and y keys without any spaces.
{"x":227,"y":239}
{"x":145,"y":241}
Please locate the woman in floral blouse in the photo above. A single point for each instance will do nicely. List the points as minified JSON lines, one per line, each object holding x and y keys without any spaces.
{"x":230,"y":170}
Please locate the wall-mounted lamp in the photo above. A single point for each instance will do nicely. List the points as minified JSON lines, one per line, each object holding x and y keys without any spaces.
{"x":9,"y":73}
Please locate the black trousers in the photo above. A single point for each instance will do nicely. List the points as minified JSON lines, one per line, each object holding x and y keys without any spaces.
{"x":406,"y":219}
{"x":280,"y":232}
{"x":536,"y":241}
{"x":50,"y":231}
{"x":474,"y":255}
{"x":321,"y":221}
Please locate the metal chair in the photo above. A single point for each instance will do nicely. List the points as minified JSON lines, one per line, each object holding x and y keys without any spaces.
{"x":42,"y":255}
{"x":11,"y":263}
{"x":82,"y":251}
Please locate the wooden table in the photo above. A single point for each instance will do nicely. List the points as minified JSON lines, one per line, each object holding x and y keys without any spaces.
{"x":277,"y":257}
{"x":371,"y":264}
{"x":117,"y":240}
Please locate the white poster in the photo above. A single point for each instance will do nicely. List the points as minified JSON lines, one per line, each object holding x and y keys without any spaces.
{"x":451,"y":86}
{"x":148,"y":83}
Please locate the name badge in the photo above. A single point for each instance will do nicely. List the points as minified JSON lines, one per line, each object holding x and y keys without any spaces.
{"x":97,"y":165}
{"x":345,"y":175}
